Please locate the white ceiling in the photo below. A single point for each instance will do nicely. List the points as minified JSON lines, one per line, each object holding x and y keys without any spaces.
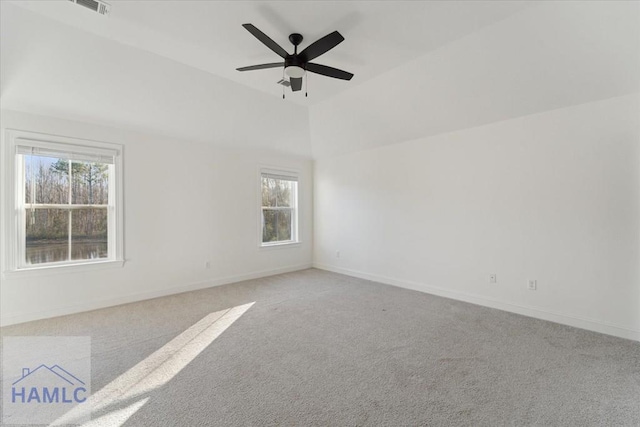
{"x":553,"y":55}
{"x":421,"y":68}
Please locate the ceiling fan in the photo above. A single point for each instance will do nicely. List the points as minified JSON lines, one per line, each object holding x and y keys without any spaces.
{"x":296,"y":64}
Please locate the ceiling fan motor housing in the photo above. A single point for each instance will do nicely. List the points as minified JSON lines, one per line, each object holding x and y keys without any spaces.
{"x":294,"y":66}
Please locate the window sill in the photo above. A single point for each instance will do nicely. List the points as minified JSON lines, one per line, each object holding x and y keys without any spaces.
{"x":64,"y":268}
{"x":280,"y":245}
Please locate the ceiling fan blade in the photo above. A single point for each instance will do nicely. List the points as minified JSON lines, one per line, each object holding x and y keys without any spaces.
{"x":296,"y":83}
{"x":261,"y":66}
{"x":329,"y":71}
{"x":321,"y":46}
{"x":266,"y":40}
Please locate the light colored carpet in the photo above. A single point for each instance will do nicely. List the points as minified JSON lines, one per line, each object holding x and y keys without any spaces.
{"x":320,"y":348}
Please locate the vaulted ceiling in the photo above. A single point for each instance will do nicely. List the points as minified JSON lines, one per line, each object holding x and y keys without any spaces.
{"x":421,"y":68}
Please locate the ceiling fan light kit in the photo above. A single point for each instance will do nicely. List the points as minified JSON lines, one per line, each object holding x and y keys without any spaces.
{"x":297,"y":64}
{"x":294,"y":71}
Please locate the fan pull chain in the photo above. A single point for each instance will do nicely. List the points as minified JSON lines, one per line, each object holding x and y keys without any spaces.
{"x":283,"y":85}
{"x":306,"y":84}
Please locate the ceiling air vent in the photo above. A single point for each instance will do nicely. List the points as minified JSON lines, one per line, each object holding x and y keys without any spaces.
{"x":97,"y":6}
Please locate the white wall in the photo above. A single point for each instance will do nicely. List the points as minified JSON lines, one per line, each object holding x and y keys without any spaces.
{"x":553,"y":196}
{"x":185,"y":204}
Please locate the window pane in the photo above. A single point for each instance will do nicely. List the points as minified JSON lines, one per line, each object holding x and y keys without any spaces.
{"x":46,"y":180}
{"x":277,"y":192}
{"x":89,"y":234}
{"x":284,"y":225}
{"x":283,"y":193}
{"x":269,"y":226}
{"x":90,"y":183}
{"x":47,"y":237}
{"x":268,"y":192}
{"x":276,"y":225}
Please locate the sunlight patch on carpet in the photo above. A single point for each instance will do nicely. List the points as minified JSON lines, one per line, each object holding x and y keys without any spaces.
{"x":158,"y":368}
{"x":116,"y":417}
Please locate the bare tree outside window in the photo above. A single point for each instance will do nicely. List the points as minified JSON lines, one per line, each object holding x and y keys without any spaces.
{"x":279,"y":200}
{"x":66,"y":211}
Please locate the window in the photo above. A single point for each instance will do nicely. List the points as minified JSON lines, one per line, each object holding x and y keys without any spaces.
{"x":67,"y":204}
{"x":279,"y":207}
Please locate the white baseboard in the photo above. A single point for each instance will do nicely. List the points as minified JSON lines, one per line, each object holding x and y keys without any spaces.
{"x":578,"y":322}
{"x":141,"y":296}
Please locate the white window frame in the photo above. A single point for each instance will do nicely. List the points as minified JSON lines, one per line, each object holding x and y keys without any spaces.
{"x":13,"y":203}
{"x":293,"y":175}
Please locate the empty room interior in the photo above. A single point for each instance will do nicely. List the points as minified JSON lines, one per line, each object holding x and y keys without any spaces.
{"x":320,"y":213}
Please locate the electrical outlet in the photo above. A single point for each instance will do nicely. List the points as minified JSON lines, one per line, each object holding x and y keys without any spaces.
{"x":337,"y":254}
{"x":532,"y":285}
{"x":493,"y":278}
